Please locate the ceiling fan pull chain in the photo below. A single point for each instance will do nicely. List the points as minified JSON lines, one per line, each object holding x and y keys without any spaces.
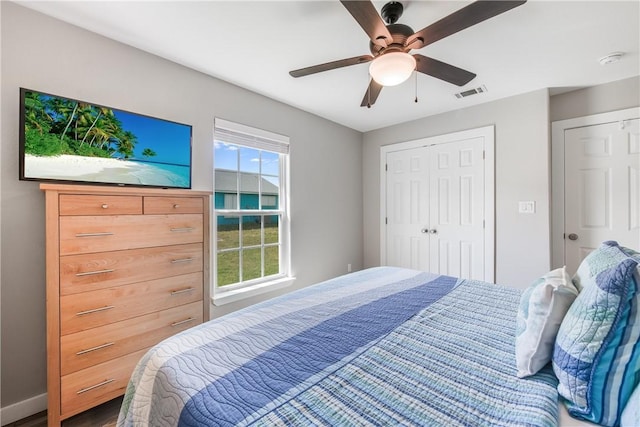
{"x":416,"y":74}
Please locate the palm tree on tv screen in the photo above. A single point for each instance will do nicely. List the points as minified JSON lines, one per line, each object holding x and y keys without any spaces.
{"x":80,"y":129}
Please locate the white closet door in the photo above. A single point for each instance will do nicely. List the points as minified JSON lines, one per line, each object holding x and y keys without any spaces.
{"x":602,"y":188}
{"x":457,"y":209}
{"x":407,"y":180}
{"x":435,"y":208}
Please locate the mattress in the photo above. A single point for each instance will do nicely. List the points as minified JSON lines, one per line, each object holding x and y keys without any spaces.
{"x":383,"y":346}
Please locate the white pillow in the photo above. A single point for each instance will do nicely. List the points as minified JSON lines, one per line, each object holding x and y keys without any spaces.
{"x":631,"y":413}
{"x":542,"y":308}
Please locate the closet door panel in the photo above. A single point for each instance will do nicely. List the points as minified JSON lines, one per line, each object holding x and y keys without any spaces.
{"x":434,"y":200}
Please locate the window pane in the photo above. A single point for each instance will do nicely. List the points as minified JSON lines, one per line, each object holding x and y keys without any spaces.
{"x":269,"y":202}
{"x":228,"y":266}
{"x":270,"y":163}
{"x":226,"y":189}
{"x":225,"y":156}
{"x":271,"y":229}
{"x":249,"y":160}
{"x":271,"y":260}
{"x":230,"y":201}
{"x":228,"y":232}
{"x":249,"y":191}
{"x":270,"y":192}
{"x":251,"y":264}
{"x":251,"y":231}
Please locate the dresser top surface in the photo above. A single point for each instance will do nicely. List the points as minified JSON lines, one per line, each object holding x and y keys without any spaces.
{"x":114,"y":190}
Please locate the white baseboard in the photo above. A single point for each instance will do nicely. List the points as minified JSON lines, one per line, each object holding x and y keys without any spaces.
{"x":20,"y":410}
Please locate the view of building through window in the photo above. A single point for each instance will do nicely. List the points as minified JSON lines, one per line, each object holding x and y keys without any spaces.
{"x":248,"y":211}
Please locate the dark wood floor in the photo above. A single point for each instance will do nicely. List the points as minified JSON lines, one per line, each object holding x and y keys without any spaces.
{"x":104,"y":415}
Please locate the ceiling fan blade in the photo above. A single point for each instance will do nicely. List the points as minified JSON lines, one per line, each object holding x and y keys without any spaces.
{"x":443,"y":71}
{"x":464,"y":18}
{"x":372,"y":94}
{"x":331,"y":65}
{"x":367,"y":16}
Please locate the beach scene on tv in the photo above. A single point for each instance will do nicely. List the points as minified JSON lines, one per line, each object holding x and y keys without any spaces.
{"x":72,"y":140}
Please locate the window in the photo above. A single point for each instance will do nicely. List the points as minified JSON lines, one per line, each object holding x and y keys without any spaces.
{"x":251,"y":243}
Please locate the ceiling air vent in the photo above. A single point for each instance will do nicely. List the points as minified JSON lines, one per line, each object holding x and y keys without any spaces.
{"x":469,"y":92}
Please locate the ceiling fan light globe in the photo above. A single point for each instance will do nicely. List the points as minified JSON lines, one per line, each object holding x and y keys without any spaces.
{"x":391,"y":69}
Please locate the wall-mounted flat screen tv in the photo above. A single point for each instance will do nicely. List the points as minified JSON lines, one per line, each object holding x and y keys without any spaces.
{"x":66,"y":140}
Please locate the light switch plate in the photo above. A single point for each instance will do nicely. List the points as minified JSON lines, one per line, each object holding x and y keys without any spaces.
{"x":528,"y":207}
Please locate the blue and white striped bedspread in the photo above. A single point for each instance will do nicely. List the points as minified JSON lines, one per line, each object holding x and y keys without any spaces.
{"x":384,"y":346}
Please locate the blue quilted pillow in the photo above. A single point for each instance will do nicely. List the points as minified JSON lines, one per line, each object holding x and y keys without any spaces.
{"x":597,"y":351}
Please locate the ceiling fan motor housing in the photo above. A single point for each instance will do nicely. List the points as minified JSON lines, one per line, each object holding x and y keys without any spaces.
{"x":399,"y":33}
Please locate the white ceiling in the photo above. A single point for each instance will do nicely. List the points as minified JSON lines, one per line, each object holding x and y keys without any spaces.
{"x":254,"y":45}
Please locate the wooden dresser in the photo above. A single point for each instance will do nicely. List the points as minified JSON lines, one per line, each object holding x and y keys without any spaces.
{"x":126,"y":268}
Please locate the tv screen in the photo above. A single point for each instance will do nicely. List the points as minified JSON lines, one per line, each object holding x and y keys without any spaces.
{"x":63,"y":139}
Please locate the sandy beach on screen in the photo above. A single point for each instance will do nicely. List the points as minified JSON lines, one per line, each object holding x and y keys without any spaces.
{"x":96,"y":169}
{"x":68,"y":166}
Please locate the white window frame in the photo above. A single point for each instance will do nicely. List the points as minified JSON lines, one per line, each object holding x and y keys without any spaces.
{"x":250,"y":137}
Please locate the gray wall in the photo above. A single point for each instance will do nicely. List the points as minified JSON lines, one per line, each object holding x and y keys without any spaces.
{"x":522,"y":173}
{"x":612,"y":96}
{"x":44,"y":54}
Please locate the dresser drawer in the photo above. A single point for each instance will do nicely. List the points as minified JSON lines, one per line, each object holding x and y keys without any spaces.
{"x":86,"y":234}
{"x":88,"y":310}
{"x":172,"y":205}
{"x":87,"y":348}
{"x":87,"y":272}
{"x":81,"y":204}
{"x":90,"y":387}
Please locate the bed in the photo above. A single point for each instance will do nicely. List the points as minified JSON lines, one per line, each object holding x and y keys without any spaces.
{"x":392,"y":346}
{"x":382,"y":346}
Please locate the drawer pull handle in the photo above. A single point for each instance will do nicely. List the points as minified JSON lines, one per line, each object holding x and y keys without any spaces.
{"x":95,"y":310}
{"x":106,"y":233}
{"x":181,"y":229}
{"x":176,"y":206}
{"x":177,"y":261}
{"x":105,"y":206}
{"x":90,"y":273}
{"x":99,"y":347}
{"x":86,"y":389}
{"x":182,"y":291}
{"x":181,"y":322}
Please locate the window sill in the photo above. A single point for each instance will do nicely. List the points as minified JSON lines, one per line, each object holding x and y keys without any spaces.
{"x":226,"y":297}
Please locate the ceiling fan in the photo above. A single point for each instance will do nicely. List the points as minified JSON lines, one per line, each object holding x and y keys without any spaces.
{"x":391,"y":43}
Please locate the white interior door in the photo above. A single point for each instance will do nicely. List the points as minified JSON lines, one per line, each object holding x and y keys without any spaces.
{"x":407,"y":181}
{"x":602,"y":188}
{"x":456,"y":209}
{"x":435,"y":208}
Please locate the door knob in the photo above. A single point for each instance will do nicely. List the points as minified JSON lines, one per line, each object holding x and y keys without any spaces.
{"x":434,"y":231}
{"x":424,"y":230}
{"x":573,"y":236}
